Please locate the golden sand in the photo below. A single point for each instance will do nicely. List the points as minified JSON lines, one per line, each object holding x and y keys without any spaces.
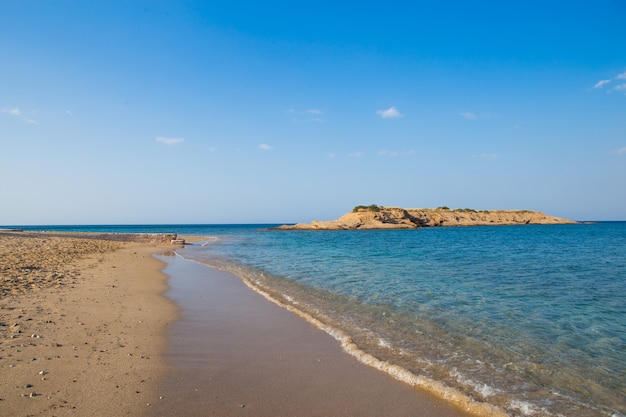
{"x":82,"y":326}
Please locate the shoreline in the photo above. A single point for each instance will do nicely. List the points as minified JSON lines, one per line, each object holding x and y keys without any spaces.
{"x":433,"y":387}
{"x":234,"y":352}
{"x":94,"y":337}
{"x":349,"y":348}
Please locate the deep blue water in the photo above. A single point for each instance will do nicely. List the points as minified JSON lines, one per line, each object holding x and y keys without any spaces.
{"x":529,"y":318}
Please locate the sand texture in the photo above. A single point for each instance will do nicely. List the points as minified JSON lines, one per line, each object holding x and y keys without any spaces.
{"x":82,"y":324}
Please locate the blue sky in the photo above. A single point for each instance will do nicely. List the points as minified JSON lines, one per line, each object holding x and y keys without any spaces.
{"x":244,"y":112}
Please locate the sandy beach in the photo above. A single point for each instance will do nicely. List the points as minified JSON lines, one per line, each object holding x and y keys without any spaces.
{"x":81,"y":326}
{"x":85,"y":329}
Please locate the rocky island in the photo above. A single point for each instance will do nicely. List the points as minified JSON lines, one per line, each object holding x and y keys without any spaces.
{"x":380,"y":217}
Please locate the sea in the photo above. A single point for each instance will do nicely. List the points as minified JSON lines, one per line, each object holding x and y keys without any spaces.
{"x":530,"y":319}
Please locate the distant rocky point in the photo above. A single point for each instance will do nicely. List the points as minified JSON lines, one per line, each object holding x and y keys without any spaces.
{"x":379,"y":217}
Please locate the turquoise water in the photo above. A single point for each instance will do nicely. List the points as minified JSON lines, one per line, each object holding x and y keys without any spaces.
{"x":529,"y":318}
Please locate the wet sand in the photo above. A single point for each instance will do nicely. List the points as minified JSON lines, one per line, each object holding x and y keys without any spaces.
{"x":233,"y":353}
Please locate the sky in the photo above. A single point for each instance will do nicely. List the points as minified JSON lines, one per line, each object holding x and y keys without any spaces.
{"x":157,"y":112}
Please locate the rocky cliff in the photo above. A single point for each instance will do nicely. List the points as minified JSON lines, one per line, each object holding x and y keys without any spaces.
{"x":375,"y":217}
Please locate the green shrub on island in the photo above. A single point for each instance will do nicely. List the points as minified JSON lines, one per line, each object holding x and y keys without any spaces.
{"x":371,"y":207}
{"x":376,"y":208}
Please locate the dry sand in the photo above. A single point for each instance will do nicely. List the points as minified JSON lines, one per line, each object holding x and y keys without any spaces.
{"x":81,"y":326}
{"x":84,"y":330}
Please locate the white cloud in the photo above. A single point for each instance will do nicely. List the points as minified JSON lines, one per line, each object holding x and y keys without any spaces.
{"x":12,"y":112}
{"x":621,"y":151}
{"x":331,"y":155}
{"x":310,"y":115}
{"x":621,"y":87}
{"x":69,"y":113}
{"x":601,"y":83}
{"x":357,"y":154}
{"x":18,"y":113}
{"x":469,"y":115}
{"x":265,"y":147}
{"x":395,"y":153}
{"x":169,"y":141}
{"x":310,"y":111}
{"x":390,"y":113}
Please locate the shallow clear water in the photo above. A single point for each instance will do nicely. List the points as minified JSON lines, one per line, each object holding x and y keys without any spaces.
{"x":529,"y":318}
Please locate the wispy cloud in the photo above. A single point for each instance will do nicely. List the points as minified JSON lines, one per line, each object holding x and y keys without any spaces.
{"x":12,"y":112}
{"x":18,"y":113}
{"x":69,"y":113}
{"x":331,"y":155}
{"x":487,"y":156}
{"x":620,"y":87}
{"x":265,"y":147}
{"x":469,"y":115}
{"x":601,"y":83}
{"x":357,"y":154}
{"x":310,"y":115}
{"x":395,"y":153}
{"x":169,"y":141}
{"x":390,"y":113}
{"x":621,"y":151}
